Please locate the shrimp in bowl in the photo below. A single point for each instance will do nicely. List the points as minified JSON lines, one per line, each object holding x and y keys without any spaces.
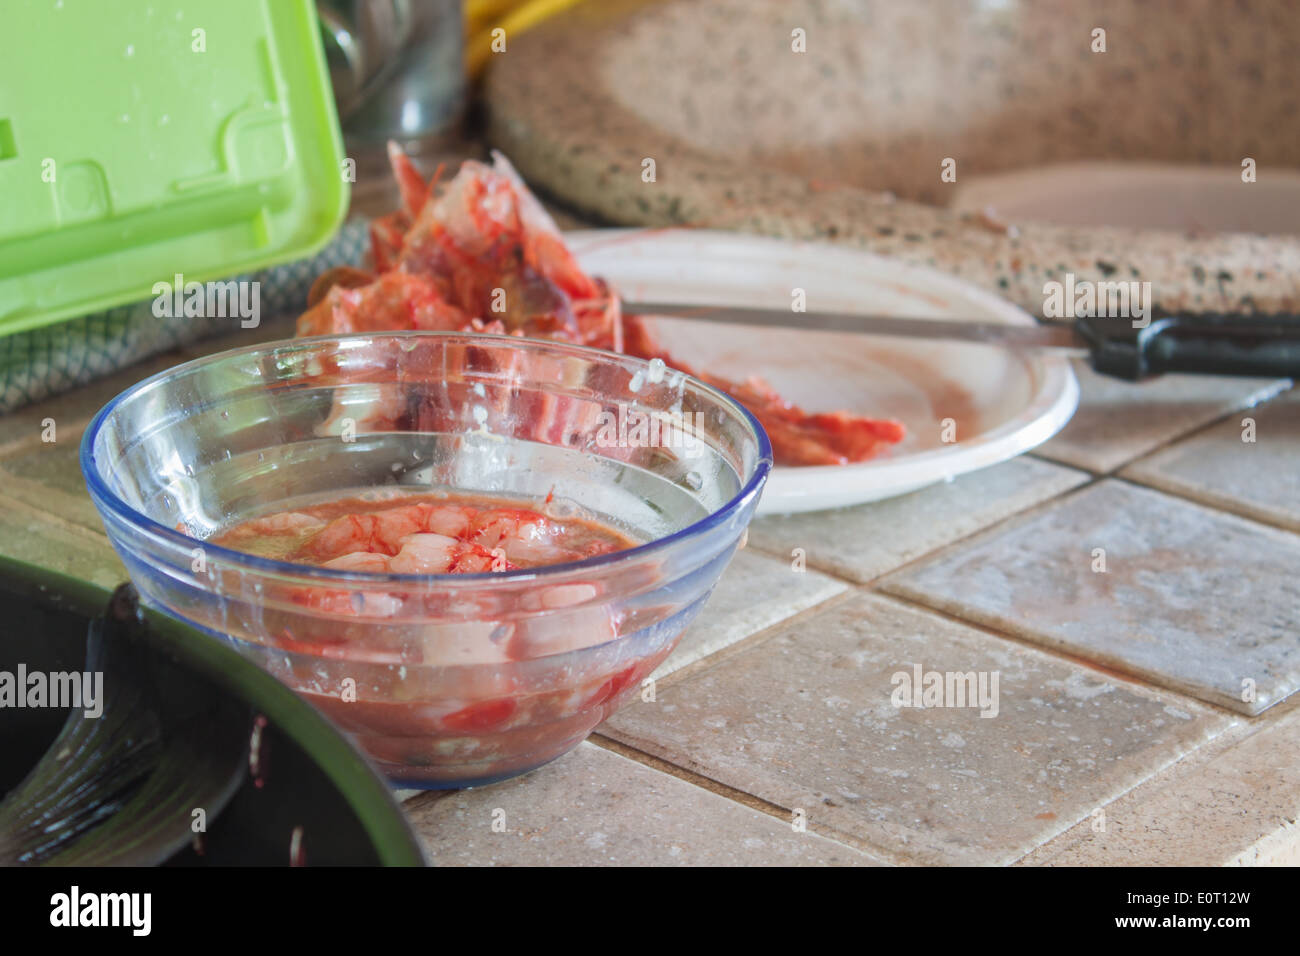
{"x":415,"y":534}
{"x":468,"y":588}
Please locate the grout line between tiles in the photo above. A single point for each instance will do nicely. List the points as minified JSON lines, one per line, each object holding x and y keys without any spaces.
{"x":1238,"y":728}
{"x":1091,"y":479}
{"x":1039,"y":456}
{"x":1204,"y":506}
{"x":1164,"y":769}
{"x":1112,"y":673}
{"x":752,"y":640}
{"x":20,"y":446}
{"x":17,"y":446}
{"x":885,"y":853}
{"x":1173,"y":439}
{"x":1188,"y":764}
{"x":1168,"y":488}
{"x":1001,"y":524}
{"x":1185,"y":436}
{"x":424,"y":798}
{"x":13,"y":504}
{"x":735,"y":795}
{"x":742,"y":797}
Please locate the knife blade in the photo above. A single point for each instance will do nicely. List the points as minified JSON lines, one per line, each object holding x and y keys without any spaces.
{"x":1206,"y":343}
{"x":1058,"y":337}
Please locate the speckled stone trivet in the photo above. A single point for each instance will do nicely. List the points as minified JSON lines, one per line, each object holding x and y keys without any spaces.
{"x":747,"y":134}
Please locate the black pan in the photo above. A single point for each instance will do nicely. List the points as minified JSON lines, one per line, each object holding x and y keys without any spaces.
{"x":191,"y":755}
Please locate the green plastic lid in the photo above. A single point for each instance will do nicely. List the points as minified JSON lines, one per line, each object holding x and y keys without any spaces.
{"x":140,"y":139}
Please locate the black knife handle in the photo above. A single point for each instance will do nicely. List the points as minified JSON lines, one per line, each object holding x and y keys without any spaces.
{"x":1205,"y":342}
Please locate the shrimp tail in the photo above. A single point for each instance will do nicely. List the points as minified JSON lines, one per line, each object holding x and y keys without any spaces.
{"x":414,"y":190}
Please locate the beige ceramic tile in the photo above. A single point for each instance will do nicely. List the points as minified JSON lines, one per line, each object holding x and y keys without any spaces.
{"x":593,"y":807}
{"x":48,"y":477}
{"x":37,"y":538}
{"x":806,"y":720}
{"x":865,"y":542}
{"x":1221,"y":467}
{"x":1201,"y":601}
{"x":1118,"y":421}
{"x":1237,"y":804}
{"x":754,"y":593}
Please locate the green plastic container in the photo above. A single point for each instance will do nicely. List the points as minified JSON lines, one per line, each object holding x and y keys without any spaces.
{"x":140,"y":139}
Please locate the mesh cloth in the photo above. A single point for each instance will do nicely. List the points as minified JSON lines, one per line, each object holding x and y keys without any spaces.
{"x":42,"y":362}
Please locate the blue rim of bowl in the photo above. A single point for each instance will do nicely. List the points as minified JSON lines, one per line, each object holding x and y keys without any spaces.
{"x":101,"y":493}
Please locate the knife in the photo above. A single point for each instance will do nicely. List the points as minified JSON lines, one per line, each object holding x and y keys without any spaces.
{"x":1202,"y":342}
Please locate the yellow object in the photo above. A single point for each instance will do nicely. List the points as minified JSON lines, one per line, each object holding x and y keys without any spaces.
{"x":483,"y":17}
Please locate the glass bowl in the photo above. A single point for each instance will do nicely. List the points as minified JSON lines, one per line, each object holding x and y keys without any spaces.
{"x":444,"y":680}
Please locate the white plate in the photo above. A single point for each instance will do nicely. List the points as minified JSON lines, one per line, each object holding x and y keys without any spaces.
{"x":1138,"y":195}
{"x":1000,"y":402}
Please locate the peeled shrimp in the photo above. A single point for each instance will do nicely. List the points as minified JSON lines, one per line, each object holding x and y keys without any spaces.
{"x":427,"y":537}
{"x":524,"y":536}
{"x":496,"y":539}
{"x":384,"y":532}
{"x":527,"y":537}
{"x":284,"y":522}
{"x":426,"y":554}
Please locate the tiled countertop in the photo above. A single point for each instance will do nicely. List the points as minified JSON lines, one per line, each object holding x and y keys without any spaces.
{"x":1121,"y":733}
